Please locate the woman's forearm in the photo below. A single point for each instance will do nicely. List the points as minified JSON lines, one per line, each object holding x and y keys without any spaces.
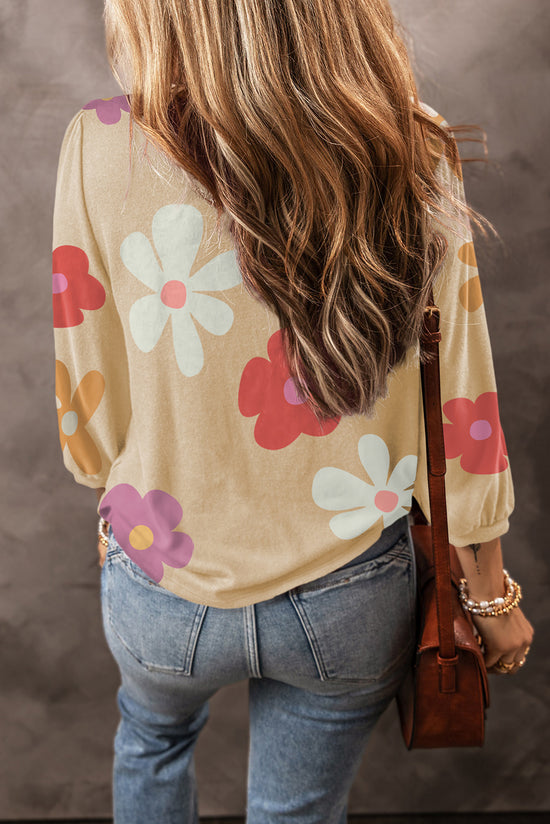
{"x":482,"y":565}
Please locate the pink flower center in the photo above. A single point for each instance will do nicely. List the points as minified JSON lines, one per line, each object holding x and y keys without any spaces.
{"x":59,"y":283}
{"x":174,"y":294}
{"x":291,"y":393}
{"x":386,"y":500}
{"x":481,"y":430}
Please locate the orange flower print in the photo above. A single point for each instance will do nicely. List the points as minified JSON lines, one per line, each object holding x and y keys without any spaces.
{"x":470,"y":292}
{"x":73,"y":413}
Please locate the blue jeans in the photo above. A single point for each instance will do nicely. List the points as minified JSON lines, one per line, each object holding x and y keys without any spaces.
{"x":323,"y":661}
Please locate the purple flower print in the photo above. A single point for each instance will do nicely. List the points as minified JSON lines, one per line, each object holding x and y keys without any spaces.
{"x":109,"y":109}
{"x":145,"y":528}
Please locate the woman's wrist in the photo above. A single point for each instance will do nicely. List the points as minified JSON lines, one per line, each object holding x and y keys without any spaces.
{"x":483,"y":569}
{"x":486,"y":587}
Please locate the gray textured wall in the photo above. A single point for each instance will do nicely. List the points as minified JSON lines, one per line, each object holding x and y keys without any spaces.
{"x":484,"y":62}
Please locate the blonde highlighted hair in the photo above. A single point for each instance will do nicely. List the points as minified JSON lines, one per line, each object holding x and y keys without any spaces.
{"x":301,"y":120}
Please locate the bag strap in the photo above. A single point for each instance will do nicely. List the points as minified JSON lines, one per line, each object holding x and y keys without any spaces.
{"x":435,"y":450}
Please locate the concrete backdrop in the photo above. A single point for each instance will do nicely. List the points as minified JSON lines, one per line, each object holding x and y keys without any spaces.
{"x":485,"y":62}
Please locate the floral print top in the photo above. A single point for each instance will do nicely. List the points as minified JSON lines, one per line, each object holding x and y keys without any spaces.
{"x":173,"y":392}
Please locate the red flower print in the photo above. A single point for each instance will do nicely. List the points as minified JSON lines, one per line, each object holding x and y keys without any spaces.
{"x":73,"y":288}
{"x":267,"y":390}
{"x":475,"y":434}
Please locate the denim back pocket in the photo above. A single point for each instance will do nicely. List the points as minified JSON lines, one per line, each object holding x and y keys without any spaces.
{"x":360,"y":621}
{"x":157,"y":627}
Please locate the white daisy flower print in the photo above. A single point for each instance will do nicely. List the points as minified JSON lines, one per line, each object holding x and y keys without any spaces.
{"x":386,"y":496}
{"x":177,"y":233}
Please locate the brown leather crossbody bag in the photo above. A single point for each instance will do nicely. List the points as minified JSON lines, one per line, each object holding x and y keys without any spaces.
{"x":443,"y":699}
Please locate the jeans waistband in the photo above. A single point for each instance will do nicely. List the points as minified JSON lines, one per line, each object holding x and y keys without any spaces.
{"x":389,"y":536}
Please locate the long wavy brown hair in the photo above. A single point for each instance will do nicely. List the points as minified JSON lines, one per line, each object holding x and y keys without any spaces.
{"x":301,"y":121}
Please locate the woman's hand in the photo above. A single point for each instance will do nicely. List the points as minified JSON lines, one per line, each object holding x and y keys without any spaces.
{"x":505,"y":637}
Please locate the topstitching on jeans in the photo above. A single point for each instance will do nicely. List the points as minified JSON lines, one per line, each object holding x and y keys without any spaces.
{"x":251,"y":640}
{"x":310,"y":635}
{"x":193,"y":639}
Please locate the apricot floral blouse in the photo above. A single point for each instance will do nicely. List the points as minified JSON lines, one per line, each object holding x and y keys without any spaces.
{"x":172,"y":391}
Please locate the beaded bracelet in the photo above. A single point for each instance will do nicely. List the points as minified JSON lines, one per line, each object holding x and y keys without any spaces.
{"x":498,"y":606}
{"x":102,"y":532}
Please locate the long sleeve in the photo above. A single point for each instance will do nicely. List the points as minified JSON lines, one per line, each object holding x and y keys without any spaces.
{"x":91,"y":369}
{"x":479,"y":487}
